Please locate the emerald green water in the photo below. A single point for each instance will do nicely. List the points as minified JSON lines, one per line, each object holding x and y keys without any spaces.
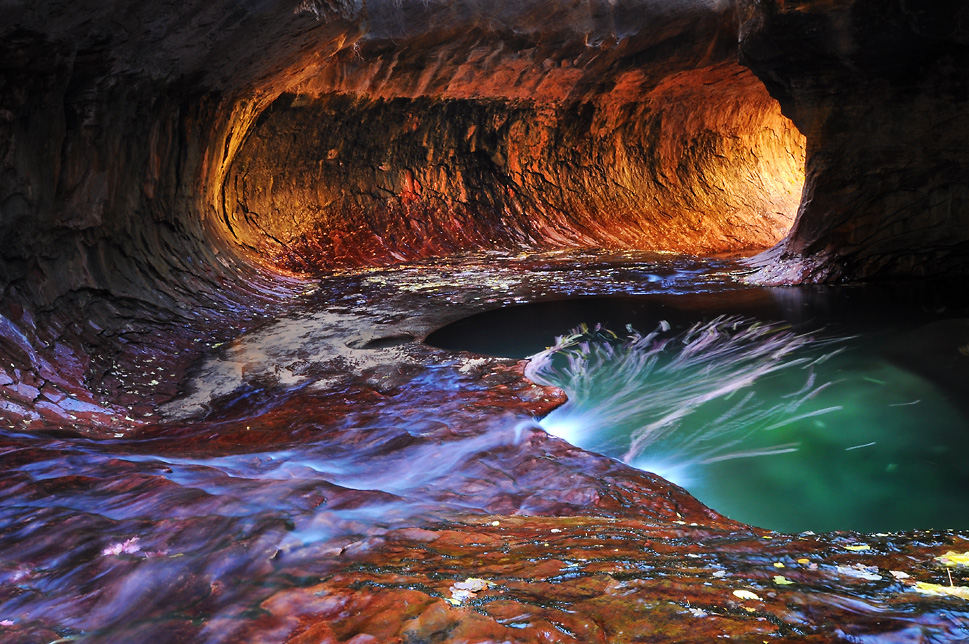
{"x":843,"y":409}
{"x":889,"y":455}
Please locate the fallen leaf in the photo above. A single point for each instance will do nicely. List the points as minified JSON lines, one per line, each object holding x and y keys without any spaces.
{"x":804,"y":561}
{"x":130,"y":547}
{"x":954,"y":559}
{"x":898,"y":574}
{"x":936,"y":589}
{"x":461,"y":595}
{"x":472,"y":584}
{"x":778,"y":564}
{"x":781,"y":580}
{"x":745,"y":594}
{"x":860,"y":572}
{"x":462,"y":591}
{"x":858,"y":548}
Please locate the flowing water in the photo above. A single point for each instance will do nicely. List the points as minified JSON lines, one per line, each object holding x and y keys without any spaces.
{"x":838,"y":408}
{"x":311,"y":437}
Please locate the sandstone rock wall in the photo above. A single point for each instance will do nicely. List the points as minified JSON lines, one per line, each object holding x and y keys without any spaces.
{"x":702,"y":162}
{"x":880,"y":91}
{"x":161,"y":165}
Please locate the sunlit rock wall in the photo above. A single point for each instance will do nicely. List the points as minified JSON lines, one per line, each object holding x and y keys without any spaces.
{"x":160,"y":165}
{"x":881,"y":92}
{"x":701,"y":162}
{"x":458,"y":125}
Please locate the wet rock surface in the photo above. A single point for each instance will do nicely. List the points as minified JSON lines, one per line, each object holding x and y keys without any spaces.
{"x":282,"y":490}
{"x":331,"y":492}
{"x":584,"y":579}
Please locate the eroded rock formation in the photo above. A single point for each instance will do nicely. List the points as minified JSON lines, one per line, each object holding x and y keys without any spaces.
{"x":155,"y":163}
{"x":879,"y":91}
{"x":527,"y":137}
{"x":170,"y":174}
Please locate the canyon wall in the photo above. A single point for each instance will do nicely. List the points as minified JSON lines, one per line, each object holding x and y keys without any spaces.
{"x":165,"y":171}
{"x":455,"y":126}
{"x":703,"y":162}
{"x":879,"y":89}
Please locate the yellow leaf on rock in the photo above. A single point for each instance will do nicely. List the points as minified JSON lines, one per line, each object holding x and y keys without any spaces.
{"x":954,"y":559}
{"x":781,"y":580}
{"x":472,"y":584}
{"x":859,"y":547}
{"x":936,"y":589}
{"x":745,"y":594}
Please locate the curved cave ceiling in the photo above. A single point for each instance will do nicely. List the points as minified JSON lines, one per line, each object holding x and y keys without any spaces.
{"x":179,"y":168}
{"x":175,"y":176}
{"x":564,"y":145}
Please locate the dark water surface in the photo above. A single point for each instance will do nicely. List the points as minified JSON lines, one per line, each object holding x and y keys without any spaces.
{"x":878,"y":439}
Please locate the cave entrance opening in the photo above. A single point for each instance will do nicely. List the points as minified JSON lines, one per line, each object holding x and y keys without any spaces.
{"x":788,"y":408}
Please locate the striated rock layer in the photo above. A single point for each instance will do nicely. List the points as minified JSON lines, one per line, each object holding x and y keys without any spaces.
{"x":169,"y":175}
{"x":703,"y":162}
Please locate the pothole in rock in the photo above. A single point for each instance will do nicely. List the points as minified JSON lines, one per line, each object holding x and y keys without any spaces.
{"x":792,"y":409}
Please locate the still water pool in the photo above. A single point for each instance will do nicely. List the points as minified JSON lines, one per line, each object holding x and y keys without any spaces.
{"x":794,"y":409}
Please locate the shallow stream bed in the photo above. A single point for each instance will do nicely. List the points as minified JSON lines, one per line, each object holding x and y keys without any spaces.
{"x":329,"y":477}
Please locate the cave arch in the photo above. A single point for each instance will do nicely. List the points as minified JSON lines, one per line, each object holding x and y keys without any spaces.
{"x":699,"y":161}
{"x":434,"y":128}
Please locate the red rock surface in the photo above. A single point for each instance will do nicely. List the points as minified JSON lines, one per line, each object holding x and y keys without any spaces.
{"x":159,"y":172}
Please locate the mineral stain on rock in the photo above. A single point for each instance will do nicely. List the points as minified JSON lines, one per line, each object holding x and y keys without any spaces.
{"x":223,"y":224}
